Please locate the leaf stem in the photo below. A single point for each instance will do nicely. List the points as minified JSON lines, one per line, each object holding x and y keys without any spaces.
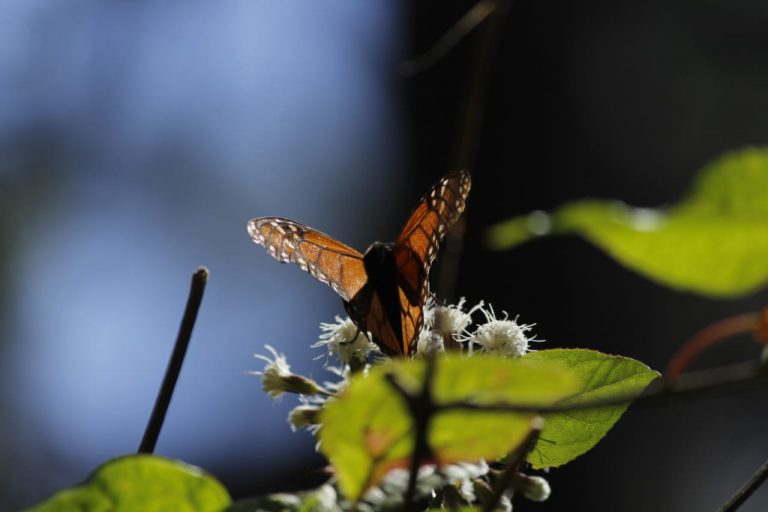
{"x":494,"y":14}
{"x":155,"y":424}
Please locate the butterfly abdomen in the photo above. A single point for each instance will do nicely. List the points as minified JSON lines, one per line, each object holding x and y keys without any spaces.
{"x":376,"y":307}
{"x":380,"y":265}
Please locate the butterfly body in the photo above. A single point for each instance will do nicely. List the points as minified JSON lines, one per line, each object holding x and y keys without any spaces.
{"x":381,"y":288}
{"x":384,"y":291}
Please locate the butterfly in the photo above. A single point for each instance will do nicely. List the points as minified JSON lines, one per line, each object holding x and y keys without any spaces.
{"x":385,"y":290}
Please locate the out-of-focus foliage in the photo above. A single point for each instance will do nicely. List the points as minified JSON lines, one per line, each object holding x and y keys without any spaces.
{"x":141,"y":482}
{"x":714,"y":242}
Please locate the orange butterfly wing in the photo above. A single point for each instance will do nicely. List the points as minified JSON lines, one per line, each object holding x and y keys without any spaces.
{"x":344,"y":270}
{"x":328,"y":260}
{"x":416,"y":248}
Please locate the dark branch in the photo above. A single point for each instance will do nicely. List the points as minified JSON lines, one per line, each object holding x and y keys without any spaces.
{"x":743,"y":494}
{"x":155,"y":423}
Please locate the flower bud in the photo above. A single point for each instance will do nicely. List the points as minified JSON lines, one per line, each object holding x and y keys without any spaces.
{"x":535,"y":488}
{"x":304,"y":416}
{"x":277,"y":378}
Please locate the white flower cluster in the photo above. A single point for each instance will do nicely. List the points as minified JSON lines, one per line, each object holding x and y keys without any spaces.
{"x":445,"y":328}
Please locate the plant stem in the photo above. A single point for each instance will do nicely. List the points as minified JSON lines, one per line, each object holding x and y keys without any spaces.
{"x":493,"y":12}
{"x":450,"y":39}
{"x":707,"y":337}
{"x":155,"y":424}
{"x":422,"y":408}
{"x":508,"y":475}
{"x":751,"y":485}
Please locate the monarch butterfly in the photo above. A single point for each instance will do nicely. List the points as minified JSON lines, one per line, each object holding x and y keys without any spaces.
{"x":384,"y":291}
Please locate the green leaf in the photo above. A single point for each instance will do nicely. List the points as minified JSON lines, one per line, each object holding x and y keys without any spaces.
{"x":141,"y":482}
{"x":714,"y":242}
{"x":567,"y":435}
{"x":367,"y":430}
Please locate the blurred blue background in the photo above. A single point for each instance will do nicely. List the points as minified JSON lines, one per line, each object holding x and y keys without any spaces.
{"x":138,"y":138}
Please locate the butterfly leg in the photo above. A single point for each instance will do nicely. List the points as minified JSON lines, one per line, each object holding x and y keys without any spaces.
{"x":354,"y":337}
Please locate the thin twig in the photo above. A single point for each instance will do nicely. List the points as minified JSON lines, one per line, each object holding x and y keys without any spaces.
{"x":155,"y":424}
{"x":469,"y":133}
{"x":450,"y":39}
{"x":743,"y":494}
{"x":513,"y":465}
{"x":469,"y":128}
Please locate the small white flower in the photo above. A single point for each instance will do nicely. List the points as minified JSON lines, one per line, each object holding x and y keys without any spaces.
{"x":451,"y":320}
{"x":462,"y":475}
{"x":343,"y":373}
{"x":389,"y":492}
{"x":345,"y":339}
{"x":501,"y":336}
{"x":429,"y":342}
{"x":277,"y":377}
{"x":326,"y":498}
{"x":304,"y":416}
{"x":443,"y":325}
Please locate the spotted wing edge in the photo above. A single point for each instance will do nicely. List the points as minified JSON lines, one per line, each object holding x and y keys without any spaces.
{"x":418,"y":244}
{"x":325,"y":258}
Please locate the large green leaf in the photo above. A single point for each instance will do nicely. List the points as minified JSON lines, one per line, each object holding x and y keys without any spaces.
{"x":567,"y":435}
{"x":141,"y":482}
{"x":367,"y":430}
{"x":714,"y":242}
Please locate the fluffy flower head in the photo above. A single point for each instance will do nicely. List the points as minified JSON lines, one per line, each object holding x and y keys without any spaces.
{"x":443,"y":325}
{"x":501,"y":336}
{"x":345,"y":340}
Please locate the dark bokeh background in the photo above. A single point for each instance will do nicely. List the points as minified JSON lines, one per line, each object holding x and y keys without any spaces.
{"x":137,"y":139}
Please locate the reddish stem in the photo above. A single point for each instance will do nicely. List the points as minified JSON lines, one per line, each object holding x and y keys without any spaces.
{"x":707,"y":337}
{"x":761,"y":329}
